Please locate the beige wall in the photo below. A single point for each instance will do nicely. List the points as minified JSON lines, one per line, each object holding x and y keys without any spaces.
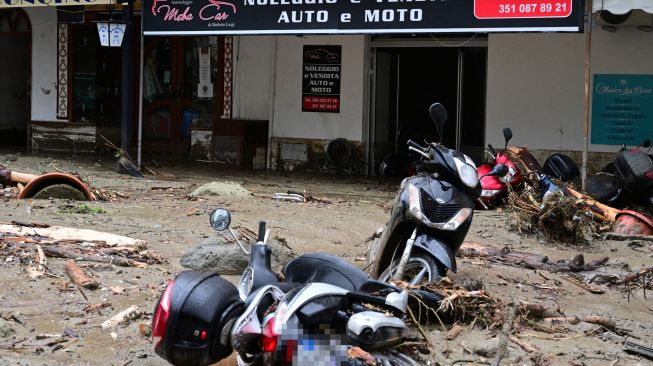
{"x":536,"y":82}
{"x":289,"y":120}
{"x":44,"y":63}
{"x":252,"y":76}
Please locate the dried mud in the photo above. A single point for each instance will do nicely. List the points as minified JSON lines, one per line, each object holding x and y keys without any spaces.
{"x":160,"y":211}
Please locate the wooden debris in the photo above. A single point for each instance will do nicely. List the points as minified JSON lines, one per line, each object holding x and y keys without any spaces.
{"x":37,"y":271}
{"x":9,"y":177}
{"x":502,"y":346}
{"x":592,"y":319}
{"x":78,"y":276}
{"x":528,"y":260}
{"x":73,"y":254}
{"x":52,"y":234}
{"x":454,"y":331}
{"x":523,"y":344}
{"x":585,"y":286}
{"x":132,"y":312}
{"x":624,"y":237}
{"x":635,"y":276}
{"x":524,"y":160}
{"x":96,"y":307}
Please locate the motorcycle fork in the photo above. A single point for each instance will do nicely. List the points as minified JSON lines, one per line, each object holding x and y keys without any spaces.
{"x":401,"y":267}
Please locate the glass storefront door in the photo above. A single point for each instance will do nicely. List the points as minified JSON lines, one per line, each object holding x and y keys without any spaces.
{"x":181,"y":89}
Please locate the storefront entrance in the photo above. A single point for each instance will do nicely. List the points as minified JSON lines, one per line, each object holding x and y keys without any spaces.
{"x":182,"y":88}
{"x":15,"y":41}
{"x":406,"y":80}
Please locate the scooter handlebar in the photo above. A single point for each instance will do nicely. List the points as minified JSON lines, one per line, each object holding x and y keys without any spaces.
{"x":261,"y":231}
{"x":415,"y":145}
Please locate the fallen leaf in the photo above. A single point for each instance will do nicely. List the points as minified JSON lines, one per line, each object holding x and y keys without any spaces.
{"x":116,"y":290}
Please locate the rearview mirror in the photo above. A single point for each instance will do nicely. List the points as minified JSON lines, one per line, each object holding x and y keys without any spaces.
{"x":439,"y":116}
{"x":507,"y":135}
{"x":220,"y":219}
{"x":498,"y":170}
{"x":646,"y":143}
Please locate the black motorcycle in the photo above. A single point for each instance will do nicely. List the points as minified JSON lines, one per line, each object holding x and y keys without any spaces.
{"x":431,"y":213}
{"x":625,"y":181}
{"x":321,"y":308}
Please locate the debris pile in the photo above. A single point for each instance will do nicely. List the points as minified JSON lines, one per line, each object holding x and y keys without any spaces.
{"x":557,"y":218}
{"x":78,"y":244}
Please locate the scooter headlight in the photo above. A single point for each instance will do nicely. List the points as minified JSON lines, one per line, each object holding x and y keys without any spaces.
{"x":458,"y":220}
{"x":466,"y":172}
{"x":414,"y":207}
{"x":246,"y":283}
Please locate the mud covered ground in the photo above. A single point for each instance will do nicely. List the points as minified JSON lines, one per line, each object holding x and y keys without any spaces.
{"x":159,"y":211}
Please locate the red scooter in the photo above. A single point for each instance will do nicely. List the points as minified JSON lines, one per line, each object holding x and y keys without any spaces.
{"x":495,"y":188}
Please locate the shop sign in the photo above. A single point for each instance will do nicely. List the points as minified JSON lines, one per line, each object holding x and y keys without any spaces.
{"x":4,"y":4}
{"x":193,"y":17}
{"x":321,"y":79}
{"x":111,"y":34}
{"x":622,"y":109}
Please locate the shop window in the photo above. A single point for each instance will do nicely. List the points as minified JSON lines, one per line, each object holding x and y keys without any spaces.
{"x":4,"y":23}
{"x":14,"y":21}
{"x":182,"y":86}
{"x":96,"y":77}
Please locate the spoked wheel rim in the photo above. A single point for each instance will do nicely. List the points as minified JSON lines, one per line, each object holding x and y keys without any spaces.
{"x":417,"y":271}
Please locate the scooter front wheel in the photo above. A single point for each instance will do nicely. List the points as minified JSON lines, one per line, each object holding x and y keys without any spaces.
{"x":421,"y":268}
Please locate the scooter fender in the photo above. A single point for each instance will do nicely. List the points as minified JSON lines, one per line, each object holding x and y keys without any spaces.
{"x":438,"y":249}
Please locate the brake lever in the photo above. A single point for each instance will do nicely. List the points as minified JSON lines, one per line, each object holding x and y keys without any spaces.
{"x":424,"y":154}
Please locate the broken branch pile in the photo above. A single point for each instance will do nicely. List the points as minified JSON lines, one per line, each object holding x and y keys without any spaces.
{"x":78,"y":244}
{"x":557,"y":218}
{"x":528,"y":260}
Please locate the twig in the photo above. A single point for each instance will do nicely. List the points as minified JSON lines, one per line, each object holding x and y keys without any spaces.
{"x":502,"y":345}
{"x":419,"y":328}
{"x":82,"y":292}
{"x":523,"y":344}
{"x":584,"y":286}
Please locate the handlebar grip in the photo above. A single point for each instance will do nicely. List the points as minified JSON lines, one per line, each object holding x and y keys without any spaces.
{"x":261,"y":231}
{"x":494,"y":152}
{"x":414,"y":144}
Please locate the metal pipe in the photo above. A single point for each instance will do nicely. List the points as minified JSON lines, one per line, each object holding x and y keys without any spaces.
{"x":588,"y":74}
{"x":127,"y":75}
{"x":459,"y":99}
{"x":140,"y":98}
{"x":273,"y":94}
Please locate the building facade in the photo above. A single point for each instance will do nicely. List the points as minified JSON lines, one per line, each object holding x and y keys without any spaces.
{"x":241,"y":99}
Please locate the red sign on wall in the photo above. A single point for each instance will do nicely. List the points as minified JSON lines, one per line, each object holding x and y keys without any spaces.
{"x":322,"y":104}
{"x":497,"y":9}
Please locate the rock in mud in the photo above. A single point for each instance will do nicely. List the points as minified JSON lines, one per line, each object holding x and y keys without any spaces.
{"x":215,"y":255}
{"x":221,"y":189}
{"x":6,"y":330}
{"x":486,"y":349}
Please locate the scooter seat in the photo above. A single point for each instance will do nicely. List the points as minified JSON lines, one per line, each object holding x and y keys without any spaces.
{"x":325,"y":268}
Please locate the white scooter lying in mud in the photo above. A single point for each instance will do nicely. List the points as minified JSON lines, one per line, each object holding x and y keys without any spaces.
{"x":316,"y":312}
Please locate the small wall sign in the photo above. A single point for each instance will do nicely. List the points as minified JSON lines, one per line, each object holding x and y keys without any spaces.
{"x":622,"y":109}
{"x":321,"y":79}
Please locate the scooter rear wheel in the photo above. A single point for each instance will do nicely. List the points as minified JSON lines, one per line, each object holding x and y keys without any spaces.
{"x":421,"y":268}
